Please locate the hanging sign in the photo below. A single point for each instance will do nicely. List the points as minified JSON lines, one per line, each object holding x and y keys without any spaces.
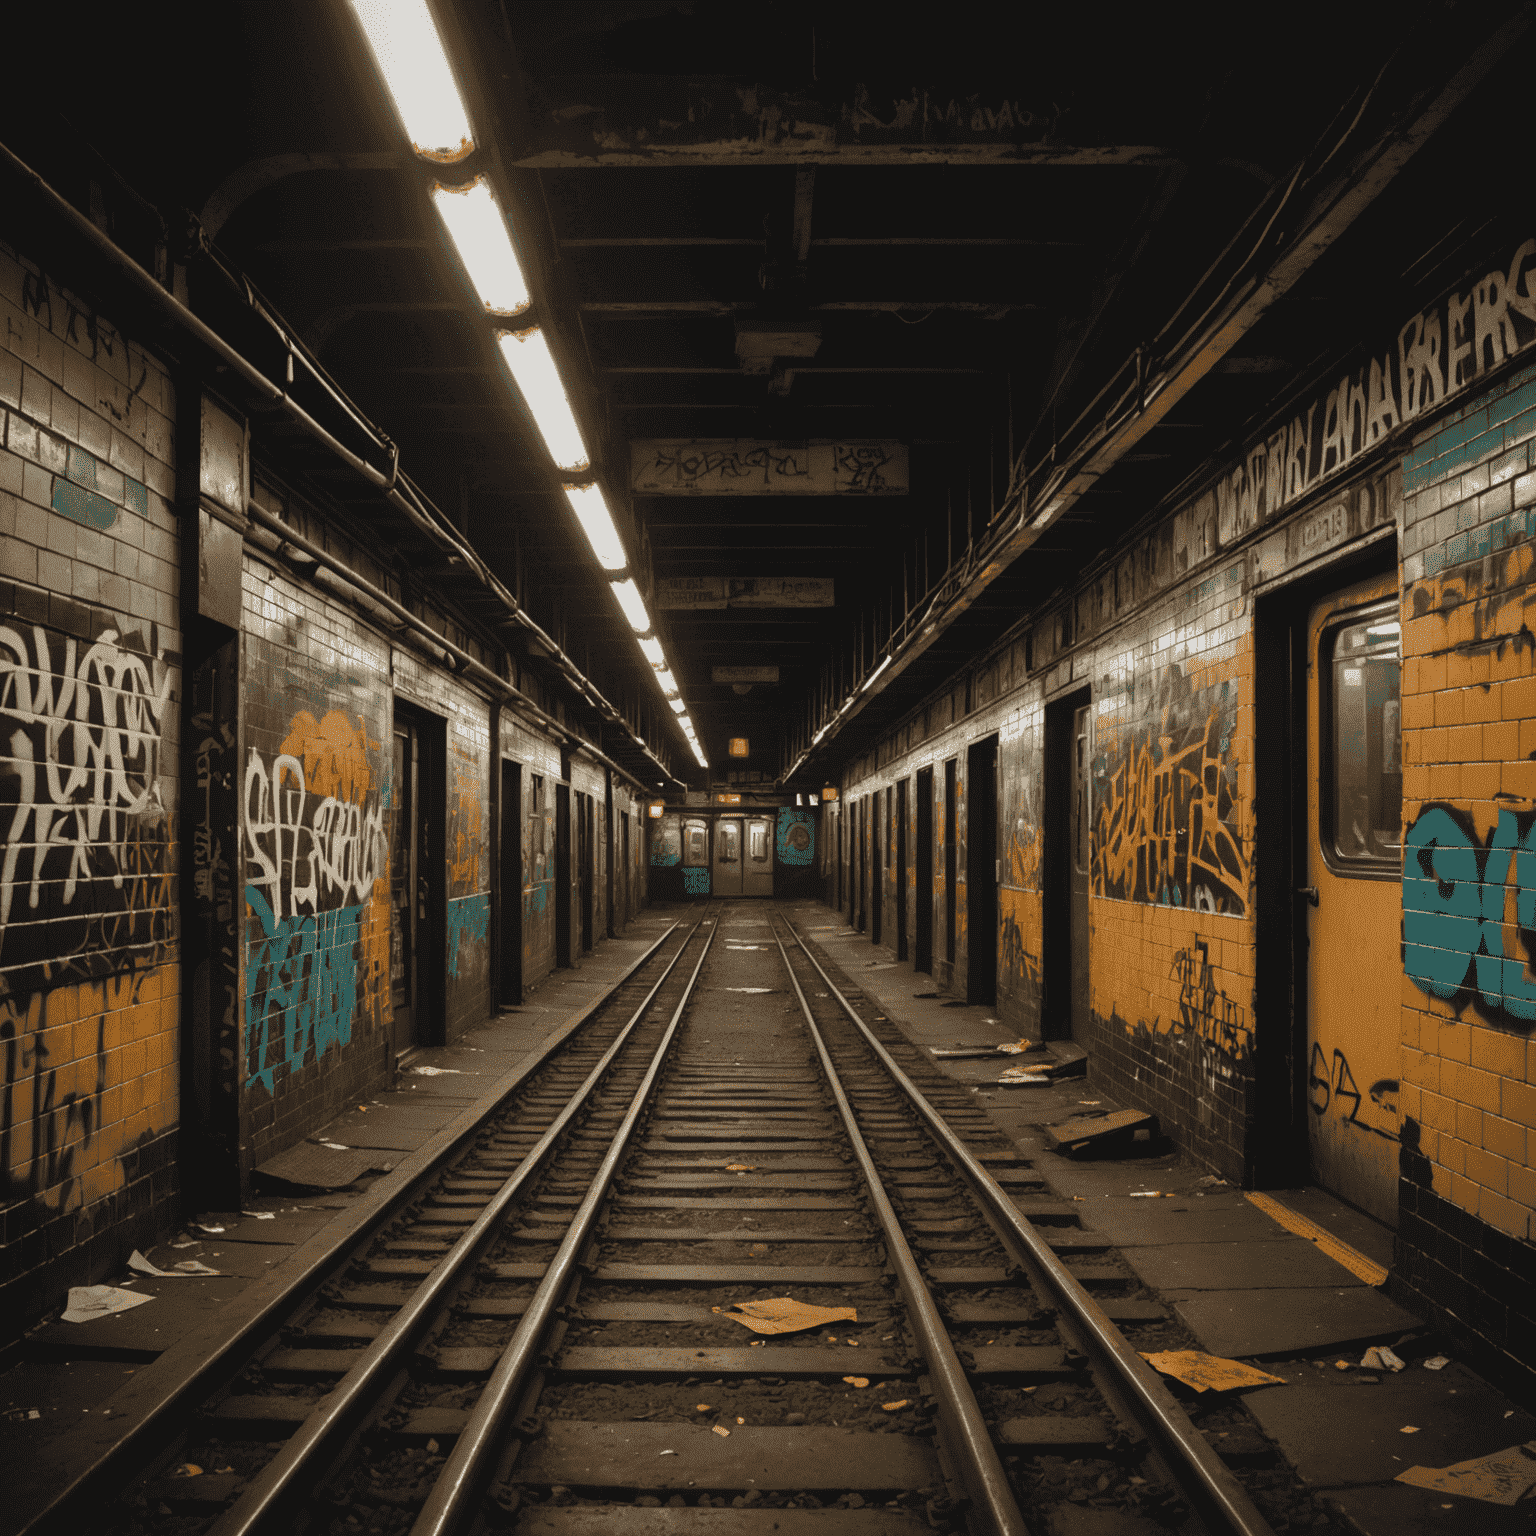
{"x":727,"y":799}
{"x":740,"y":747}
{"x":740,"y":466}
{"x":829,"y":793}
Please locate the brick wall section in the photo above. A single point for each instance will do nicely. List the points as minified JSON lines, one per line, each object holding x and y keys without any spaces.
{"x":1467,"y":1244}
{"x":315,"y":824}
{"x":89,"y":705}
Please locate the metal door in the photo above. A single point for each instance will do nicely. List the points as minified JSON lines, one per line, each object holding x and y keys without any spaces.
{"x":403,"y":903}
{"x":1077,"y":858}
{"x":696,"y":857}
{"x":757,"y":865}
{"x":1352,"y":896}
{"x":727,"y":870}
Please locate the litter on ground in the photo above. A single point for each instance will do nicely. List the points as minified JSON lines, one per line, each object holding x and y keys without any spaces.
{"x":1208,"y":1373}
{"x":782,"y":1314}
{"x":88,"y":1302}
{"x":1505,"y":1477}
{"x":1380,"y":1358}
{"x":137,"y":1261}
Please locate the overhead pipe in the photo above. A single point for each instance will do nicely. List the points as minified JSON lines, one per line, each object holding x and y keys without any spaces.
{"x":416,"y":509}
{"x":460,"y":659}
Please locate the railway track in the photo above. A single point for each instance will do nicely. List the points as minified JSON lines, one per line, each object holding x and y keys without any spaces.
{"x":544,"y":1336}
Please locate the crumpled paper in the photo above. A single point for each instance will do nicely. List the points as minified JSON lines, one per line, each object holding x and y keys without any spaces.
{"x":88,"y":1302}
{"x":1208,"y":1373}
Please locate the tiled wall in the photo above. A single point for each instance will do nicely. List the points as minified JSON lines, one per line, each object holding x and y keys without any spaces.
{"x":1467,"y":1241}
{"x":89,"y":707}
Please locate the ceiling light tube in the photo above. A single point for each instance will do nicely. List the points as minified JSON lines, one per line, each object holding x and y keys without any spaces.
{"x":677,"y":706}
{"x":633,"y":605}
{"x":533,"y":367}
{"x":667,"y":681}
{"x":478,"y":229}
{"x":414,"y":64}
{"x":591,"y":509}
{"x":651,"y":647}
{"x":869,"y":681}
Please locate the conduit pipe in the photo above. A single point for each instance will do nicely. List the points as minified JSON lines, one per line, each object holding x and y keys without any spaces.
{"x":419,"y":513}
{"x":461,"y":660}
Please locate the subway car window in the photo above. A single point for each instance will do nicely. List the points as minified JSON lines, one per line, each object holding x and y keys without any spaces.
{"x":728,"y":833}
{"x":757,"y":842}
{"x":696,"y":845}
{"x":1365,"y":799}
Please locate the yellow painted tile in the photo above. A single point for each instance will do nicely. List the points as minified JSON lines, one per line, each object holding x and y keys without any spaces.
{"x":1501,"y":1054}
{"x":1455,"y":1043}
{"x":1444,"y":782}
{"x":1522,"y":1186}
{"x":1439,"y":1111}
{"x":1504,"y":1214}
{"x":1469,"y":1118}
{"x":1518,"y":778}
{"x":1467,"y":1193}
{"x":1489,"y":1169}
{"x":1480,"y":781}
{"x":1517,"y":1102}
{"x":1501,"y":741}
{"x":1504,"y":1138}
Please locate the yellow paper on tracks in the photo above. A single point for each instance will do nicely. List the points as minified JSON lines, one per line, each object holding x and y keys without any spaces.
{"x":1208,"y":1373}
{"x":784,"y":1315}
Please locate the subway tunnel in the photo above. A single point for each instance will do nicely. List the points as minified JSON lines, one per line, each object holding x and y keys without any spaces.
{"x":1050,"y":494}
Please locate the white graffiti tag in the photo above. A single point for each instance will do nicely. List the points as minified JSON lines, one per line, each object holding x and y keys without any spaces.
{"x":85,"y":752}
{"x":308,"y":854}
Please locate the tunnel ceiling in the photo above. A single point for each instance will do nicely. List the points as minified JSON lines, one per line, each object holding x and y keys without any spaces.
{"x":939,"y":230}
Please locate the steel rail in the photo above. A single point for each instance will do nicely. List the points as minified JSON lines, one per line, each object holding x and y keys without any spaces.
{"x":1202,"y":1476}
{"x":455,"y":1495}
{"x":208,"y":1366}
{"x":273,"y":1490}
{"x":968,"y":1440}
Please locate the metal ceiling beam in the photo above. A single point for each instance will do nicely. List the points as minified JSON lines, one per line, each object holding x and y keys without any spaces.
{"x":257,"y":175}
{"x":1330,"y":213}
{"x":594,"y":122}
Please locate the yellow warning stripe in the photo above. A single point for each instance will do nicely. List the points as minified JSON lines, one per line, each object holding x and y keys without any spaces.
{"x":1352,"y":1259}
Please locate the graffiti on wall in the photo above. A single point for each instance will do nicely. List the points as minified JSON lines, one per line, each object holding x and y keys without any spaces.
{"x":1165,"y":826}
{"x":666,"y":842}
{"x":1432,"y":357}
{"x":696,"y":882}
{"x":795,"y":837}
{"x":1469,"y":912}
{"x":465,"y":837}
{"x":86,"y":908}
{"x":469,"y":922}
{"x":317,"y":889}
{"x":1331,"y":1085}
{"x":1205,"y":1009}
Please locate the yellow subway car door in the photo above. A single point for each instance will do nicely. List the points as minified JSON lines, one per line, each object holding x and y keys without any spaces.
{"x":1353,"y":894}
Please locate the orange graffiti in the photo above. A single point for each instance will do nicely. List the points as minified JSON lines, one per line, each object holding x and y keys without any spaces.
{"x":91,"y":1073}
{"x":334,"y":754}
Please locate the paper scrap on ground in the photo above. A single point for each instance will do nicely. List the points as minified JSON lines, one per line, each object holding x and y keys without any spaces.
{"x":1437,"y":1362}
{"x":747,"y":989}
{"x":782,"y":1314}
{"x":136,"y":1260}
{"x":892,"y":1407}
{"x":1017,"y":1047}
{"x":1380,"y":1358}
{"x":1023,"y":1077}
{"x":740,"y":1167}
{"x":441,"y":1072}
{"x":88,"y":1302}
{"x":720,"y":1429}
{"x":857,"y":1381}
{"x":1208,"y":1372}
{"x":1505,"y":1477}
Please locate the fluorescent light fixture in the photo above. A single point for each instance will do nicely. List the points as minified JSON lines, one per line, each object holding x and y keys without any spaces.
{"x":869,"y":681}
{"x":478,"y":229}
{"x":591,"y":509}
{"x":633,"y":605}
{"x":654,"y":654}
{"x":698,"y":753}
{"x":533,"y":366}
{"x":411,"y":58}
{"x":677,"y":706}
{"x":667,"y":681}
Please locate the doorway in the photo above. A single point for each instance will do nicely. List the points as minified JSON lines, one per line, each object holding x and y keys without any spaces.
{"x":1068,"y":818}
{"x":922,"y":959}
{"x":418,"y":927}
{"x":902,"y":893}
{"x":757,"y":863}
{"x":727,"y":872}
{"x":562,"y":893}
{"x":510,"y":983}
{"x":623,"y":881}
{"x":981,"y":871}
{"x":951,"y":861}
{"x":585,"y":867}
{"x":862,"y":876}
{"x":876,"y":870}
{"x":1351,"y":896}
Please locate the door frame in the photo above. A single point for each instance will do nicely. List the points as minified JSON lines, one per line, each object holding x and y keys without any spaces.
{"x":902,"y":812}
{"x":981,"y":977}
{"x":432,"y":802}
{"x":922,"y":949}
{"x":1056,"y":864}
{"x":510,"y":819}
{"x":1277,"y":1151}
